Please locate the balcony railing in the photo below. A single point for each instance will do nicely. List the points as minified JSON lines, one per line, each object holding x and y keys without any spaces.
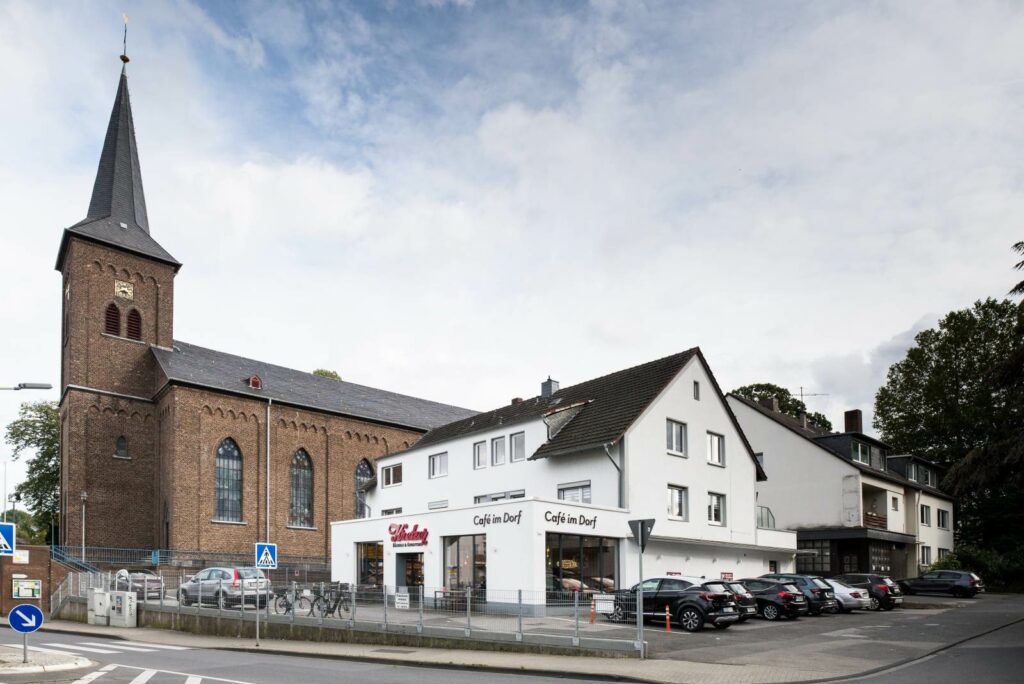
{"x":876,"y":521}
{"x":765,"y":518}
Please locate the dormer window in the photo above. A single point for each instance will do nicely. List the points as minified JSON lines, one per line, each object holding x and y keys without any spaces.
{"x":255,"y":382}
{"x":861,"y":453}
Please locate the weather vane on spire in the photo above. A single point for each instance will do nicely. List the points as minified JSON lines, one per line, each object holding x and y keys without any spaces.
{"x":124,"y":52}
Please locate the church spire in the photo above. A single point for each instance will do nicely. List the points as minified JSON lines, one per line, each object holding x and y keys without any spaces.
{"x":117,"y":192}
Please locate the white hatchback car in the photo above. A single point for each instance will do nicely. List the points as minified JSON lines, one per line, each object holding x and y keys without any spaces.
{"x":850,"y":598}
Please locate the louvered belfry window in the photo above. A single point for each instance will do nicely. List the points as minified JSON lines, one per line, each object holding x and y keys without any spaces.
{"x":112,"y":320}
{"x":134,"y":325}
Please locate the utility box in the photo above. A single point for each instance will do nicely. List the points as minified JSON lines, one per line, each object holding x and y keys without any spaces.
{"x":123,"y":609}
{"x":99,"y":606}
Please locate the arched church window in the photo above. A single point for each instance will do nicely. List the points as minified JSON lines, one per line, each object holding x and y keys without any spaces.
{"x":301,"y":514}
{"x":121,"y":447}
{"x":134,"y":327}
{"x":364,"y":478}
{"x":228,"y":473}
{"x":112,"y":320}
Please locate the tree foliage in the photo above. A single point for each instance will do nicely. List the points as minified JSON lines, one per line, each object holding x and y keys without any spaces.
{"x":326,"y":373}
{"x":788,"y":404}
{"x":1018,"y":289}
{"x":36,"y":431}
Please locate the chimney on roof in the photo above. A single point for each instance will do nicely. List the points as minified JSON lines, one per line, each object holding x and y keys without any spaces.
{"x":517,"y":400}
{"x":548,"y":387}
{"x":803,"y":420}
{"x":770,"y":403}
{"x":854,"y":421}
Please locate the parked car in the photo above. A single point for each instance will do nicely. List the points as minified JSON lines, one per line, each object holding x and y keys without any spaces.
{"x":745,"y":601}
{"x":956,"y":582}
{"x":849,"y":598}
{"x":820,"y":596}
{"x":690,"y":604}
{"x":145,"y":583}
{"x":776,"y":598}
{"x":226,"y":587}
{"x":883,"y":593}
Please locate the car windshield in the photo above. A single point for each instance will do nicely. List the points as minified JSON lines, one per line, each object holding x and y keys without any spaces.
{"x":738,"y":588}
{"x":717,"y":586}
{"x":791,"y":587}
{"x":888,"y":581}
{"x":818,"y":582}
{"x":250,"y":573}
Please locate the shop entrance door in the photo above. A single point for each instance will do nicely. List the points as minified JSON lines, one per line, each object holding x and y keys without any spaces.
{"x":409,"y":570}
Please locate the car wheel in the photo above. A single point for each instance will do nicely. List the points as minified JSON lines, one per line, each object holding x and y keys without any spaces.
{"x":770,"y":612}
{"x":691,"y":619}
{"x":183,"y":598}
{"x":888,"y":606}
{"x":617,"y":614}
{"x":875,"y":605}
{"x":219,"y":600}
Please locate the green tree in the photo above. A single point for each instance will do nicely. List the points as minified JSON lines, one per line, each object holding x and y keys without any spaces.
{"x":1018,"y":289}
{"x":325,"y":373}
{"x":788,"y":404}
{"x":29,"y":530}
{"x":36,"y":430}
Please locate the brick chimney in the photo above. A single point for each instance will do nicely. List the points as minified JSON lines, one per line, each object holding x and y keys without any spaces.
{"x":548,"y":387}
{"x":517,"y":400}
{"x":854,"y":421}
{"x":770,"y":403}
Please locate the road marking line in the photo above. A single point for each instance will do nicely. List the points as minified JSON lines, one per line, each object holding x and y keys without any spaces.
{"x":84,"y":648}
{"x":119,"y":646}
{"x":192,"y":679}
{"x":93,"y":675}
{"x":41,"y":650}
{"x":186,"y":674}
{"x":143,"y":644}
{"x":143,"y":677}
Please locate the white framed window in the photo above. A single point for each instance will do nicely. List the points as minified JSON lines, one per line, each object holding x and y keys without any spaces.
{"x":498,"y":451}
{"x":439,"y":465}
{"x":927,"y":477}
{"x":575,"y":491}
{"x":926,"y":515}
{"x":862,"y":453}
{"x":391,"y":475}
{"x":943,"y":553}
{"x":926,"y":555}
{"x":500,"y":496}
{"x":943,"y":520}
{"x":696,"y":391}
{"x":679,"y":502}
{"x":437,"y":505}
{"x":716,"y":449}
{"x":912,"y":471}
{"x":391,"y":511}
{"x":675,"y":437}
{"x":517,"y":445}
{"x":895,"y":503}
{"x":480,"y":455}
{"x":716,"y":508}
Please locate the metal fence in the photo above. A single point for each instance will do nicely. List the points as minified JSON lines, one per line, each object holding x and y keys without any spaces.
{"x":598,"y":622}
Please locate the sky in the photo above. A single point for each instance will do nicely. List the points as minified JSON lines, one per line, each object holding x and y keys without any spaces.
{"x":457,"y":199}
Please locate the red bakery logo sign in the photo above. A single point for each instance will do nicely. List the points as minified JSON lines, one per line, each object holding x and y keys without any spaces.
{"x":403,"y":535}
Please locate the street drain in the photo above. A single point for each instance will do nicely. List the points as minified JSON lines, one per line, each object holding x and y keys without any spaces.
{"x":392,"y":650}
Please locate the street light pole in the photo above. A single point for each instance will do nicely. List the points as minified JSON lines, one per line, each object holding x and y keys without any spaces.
{"x":29,"y":386}
{"x":85,"y":497}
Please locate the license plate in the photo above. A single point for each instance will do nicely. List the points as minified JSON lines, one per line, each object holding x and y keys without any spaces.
{"x":899,"y":600}
{"x":799,"y":599}
{"x":729,"y":609}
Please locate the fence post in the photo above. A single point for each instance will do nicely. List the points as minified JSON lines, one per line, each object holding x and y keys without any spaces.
{"x":352,"y":618}
{"x":295,"y":597}
{"x":322,"y":611}
{"x":423,"y":595}
{"x":199,"y":603}
{"x":385,"y":589}
{"x":163,"y":590}
{"x":576,"y":618}
{"x":469,"y":600}
{"x":220,"y":603}
{"x":519,"y":618}
{"x":181,"y":582}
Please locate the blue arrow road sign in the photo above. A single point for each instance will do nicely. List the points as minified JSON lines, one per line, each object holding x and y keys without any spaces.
{"x":7,"y":538}
{"x":25,"y":618}
{"x":266,"y":556}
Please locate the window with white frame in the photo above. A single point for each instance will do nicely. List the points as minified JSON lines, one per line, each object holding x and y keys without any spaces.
{"x":675,"y":437}
{"x":716,"y":508}
{"x":391,"y":475}
{"x":500,"y":496}
{"x":575,"y":491}
{"x":943,"y":520}
{"x":926,"y":515}
{"x":716,"y":449}
{"x":439,"y":465}
{"x":862,"y":453}
{"x":912,"y":471}
{"x":678,"y":502}
{"x":926,"y":555}
{"x":391,"y":511}
{"x":498,"y":451}
{"x":895,"y":503}
{"x":517,"y":445}
{"x":437,"y":505}
{"x":480,"y":455}
{"x":696,"y":390}
{"x":943,"y":553}
{"x":926,"y":477}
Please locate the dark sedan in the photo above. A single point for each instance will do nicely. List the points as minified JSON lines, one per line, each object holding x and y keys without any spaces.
{"x":691,"y":605}
{"x":776,"y":598}
{"x":821,"y":598}
{"x":959,"y":583}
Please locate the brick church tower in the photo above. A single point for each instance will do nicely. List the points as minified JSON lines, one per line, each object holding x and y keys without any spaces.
{"x":118,"y":300}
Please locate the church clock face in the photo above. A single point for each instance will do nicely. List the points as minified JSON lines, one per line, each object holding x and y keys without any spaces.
{"x":124,"y":290}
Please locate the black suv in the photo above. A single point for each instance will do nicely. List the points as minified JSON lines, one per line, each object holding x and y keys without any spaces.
{"x":883,"y":592}
{"x":819,"y":594}
{"x":956,"y":582}
{"x":776,"y":598}
{"x":691,"y":605}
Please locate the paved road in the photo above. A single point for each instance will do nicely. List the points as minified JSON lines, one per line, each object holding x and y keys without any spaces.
{"x":997,"y":658}
{"x":124,"y":662}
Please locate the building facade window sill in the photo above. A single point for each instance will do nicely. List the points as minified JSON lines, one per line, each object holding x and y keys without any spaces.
{"x":125,"y":339}
{"x":122,"y":458}
{"x":301,"y":527}
{"x":678,"y":518}
{"x":228,"y":522}
{"x":679,"y":454}
{"x":717,"y":465}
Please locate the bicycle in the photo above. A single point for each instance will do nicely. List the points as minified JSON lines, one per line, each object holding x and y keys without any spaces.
{"x":288,"y":602}
{"x":333,"y":602}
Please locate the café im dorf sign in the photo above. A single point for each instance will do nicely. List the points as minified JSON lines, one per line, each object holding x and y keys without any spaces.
{"x":404,"y":535}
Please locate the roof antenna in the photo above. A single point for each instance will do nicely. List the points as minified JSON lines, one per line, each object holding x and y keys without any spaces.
{"x":124,"y":52}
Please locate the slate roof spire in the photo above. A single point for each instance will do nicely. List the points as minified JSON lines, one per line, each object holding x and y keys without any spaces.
{"x":117,"y":210}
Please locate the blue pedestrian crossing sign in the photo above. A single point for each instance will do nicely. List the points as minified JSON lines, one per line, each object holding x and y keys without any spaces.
{"x":25,"y":618}
{"x":266,"y":556}
{"x":7,"y":539}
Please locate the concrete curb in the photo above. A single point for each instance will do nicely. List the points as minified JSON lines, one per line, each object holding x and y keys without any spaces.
{"x":76,"y":663}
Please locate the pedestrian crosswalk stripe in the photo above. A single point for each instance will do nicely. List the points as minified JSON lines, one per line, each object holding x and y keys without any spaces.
{"x":143,"y":644}
{"x":144,"y":677}
{"x":122,"y":647}
{"x":41,"y":649}
{"x":83,"y":648}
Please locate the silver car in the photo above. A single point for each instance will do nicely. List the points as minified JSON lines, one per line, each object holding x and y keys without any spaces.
{"x":227,"y":586}
{"x":849,"y":598}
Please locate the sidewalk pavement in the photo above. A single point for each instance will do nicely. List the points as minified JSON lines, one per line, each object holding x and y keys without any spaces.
{"x":622,"y":669}
{"x":39,"y":661}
